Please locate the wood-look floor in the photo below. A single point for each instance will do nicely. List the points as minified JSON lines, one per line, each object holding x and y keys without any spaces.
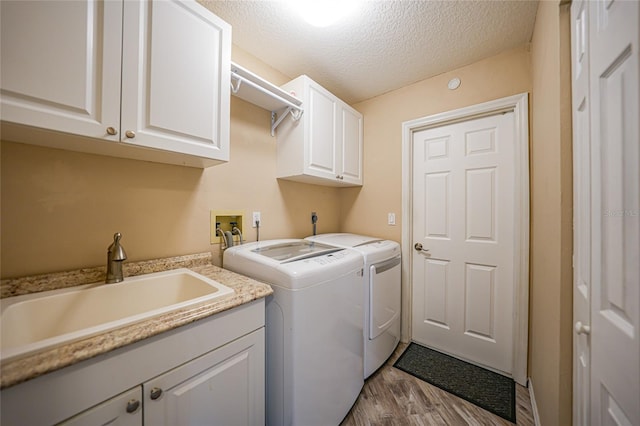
{"x":392,"y":397}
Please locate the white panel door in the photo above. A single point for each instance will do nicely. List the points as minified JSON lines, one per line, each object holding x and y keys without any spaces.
{"x":463,"y":214}
{"x":75,"y":92}
{"x":581,"y":210}
{"x":175,"y":78}
{"x":615,"y":212}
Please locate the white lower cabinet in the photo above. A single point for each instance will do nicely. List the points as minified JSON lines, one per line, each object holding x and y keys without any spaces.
{"x":210,"y":372}
{"x":224,"y":388}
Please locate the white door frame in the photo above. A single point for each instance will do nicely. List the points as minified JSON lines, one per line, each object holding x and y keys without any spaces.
{"x":519,"y":104}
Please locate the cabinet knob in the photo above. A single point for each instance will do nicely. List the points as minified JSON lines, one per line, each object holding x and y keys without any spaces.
{"x":130,"y":134}
{"x":340,"y":177}
{"x":112,"y":131}
{"x":155,"y":393}
{"x":132,"y":406}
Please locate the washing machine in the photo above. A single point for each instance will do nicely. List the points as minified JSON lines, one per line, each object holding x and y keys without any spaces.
{"x":382,"y":286}
{"x":314,"y":349}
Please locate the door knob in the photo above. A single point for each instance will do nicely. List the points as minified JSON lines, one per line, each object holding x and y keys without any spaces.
{"x":582,"y":329}
{"x":418,"y":247}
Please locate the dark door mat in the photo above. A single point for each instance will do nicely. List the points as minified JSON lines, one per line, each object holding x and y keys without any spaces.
{"x":484,"y":388}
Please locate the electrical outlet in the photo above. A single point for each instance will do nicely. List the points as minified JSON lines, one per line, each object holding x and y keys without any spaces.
{"x":256,"y":218}
{"x":391,"y":219}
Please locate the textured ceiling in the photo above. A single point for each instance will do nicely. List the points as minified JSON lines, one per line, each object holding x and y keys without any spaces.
{"x":384,"y":45}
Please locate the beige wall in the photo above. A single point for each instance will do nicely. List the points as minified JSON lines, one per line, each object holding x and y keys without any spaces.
{"x":364,"y":210}
{"x":60,"y":209}
{"x":551,"y":197}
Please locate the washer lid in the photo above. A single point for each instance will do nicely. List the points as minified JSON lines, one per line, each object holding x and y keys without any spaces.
{"x":292,"y":251}
{"x":345,"y":240}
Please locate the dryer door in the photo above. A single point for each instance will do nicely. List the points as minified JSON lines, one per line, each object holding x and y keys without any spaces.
{"x":384,"y":295}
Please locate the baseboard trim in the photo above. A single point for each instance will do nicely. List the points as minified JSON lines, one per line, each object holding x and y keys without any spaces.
{"x":534,"y":406}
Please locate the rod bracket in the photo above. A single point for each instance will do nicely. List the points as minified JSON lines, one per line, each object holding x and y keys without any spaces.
{"x":236,"y":88}
{"x":275,"y":120}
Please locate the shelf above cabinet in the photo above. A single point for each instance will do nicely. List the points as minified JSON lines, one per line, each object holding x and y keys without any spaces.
{"x":258,"y":91}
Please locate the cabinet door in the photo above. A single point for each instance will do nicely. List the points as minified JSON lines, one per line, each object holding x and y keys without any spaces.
{"x":60,"y":65}
{"x":322,"y":133}
{"x":175,"y":78}
{"x":350,"y":166}
{"x":224,"y":387}
{"x":122,"y":410}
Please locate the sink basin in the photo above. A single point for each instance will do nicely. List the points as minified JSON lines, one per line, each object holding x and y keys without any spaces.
{"x":40,"y":321}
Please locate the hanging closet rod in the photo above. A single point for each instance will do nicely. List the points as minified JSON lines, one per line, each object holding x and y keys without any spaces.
{"x":240,"y":79}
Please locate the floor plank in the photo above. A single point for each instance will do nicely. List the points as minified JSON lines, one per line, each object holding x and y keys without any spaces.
{"x":391,"y":397}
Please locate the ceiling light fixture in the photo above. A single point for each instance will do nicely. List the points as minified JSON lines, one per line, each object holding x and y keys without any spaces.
{"x":323,"y":13}
{"x":454,"y":83}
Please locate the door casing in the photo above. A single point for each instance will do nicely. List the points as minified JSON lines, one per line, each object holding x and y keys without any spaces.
{"x":519,"y":104}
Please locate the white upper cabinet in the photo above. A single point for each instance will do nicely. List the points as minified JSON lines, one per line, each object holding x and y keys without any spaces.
{"x":324,"y":147}
{"x":127,"y":74}
{"x":351,"y":153}
{"x":176,"y":59}
{"x":61,"y":65}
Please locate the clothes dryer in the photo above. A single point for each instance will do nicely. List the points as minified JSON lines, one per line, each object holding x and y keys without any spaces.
{"x":314,"y":327}
{"x":382,"y":287}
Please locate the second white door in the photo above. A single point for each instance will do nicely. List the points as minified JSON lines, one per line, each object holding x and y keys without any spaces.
{"x":463,"y":225}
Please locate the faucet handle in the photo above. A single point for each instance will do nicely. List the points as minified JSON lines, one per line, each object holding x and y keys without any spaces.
{"x":116,"y":250}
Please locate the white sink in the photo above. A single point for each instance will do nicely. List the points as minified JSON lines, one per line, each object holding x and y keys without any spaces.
{"x":40,"y":321}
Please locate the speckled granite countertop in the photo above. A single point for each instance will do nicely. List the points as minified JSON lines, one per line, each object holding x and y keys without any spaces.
{"x":34,"y":365}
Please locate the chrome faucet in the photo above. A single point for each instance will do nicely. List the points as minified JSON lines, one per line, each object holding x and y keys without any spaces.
{"x":115,"y":256}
